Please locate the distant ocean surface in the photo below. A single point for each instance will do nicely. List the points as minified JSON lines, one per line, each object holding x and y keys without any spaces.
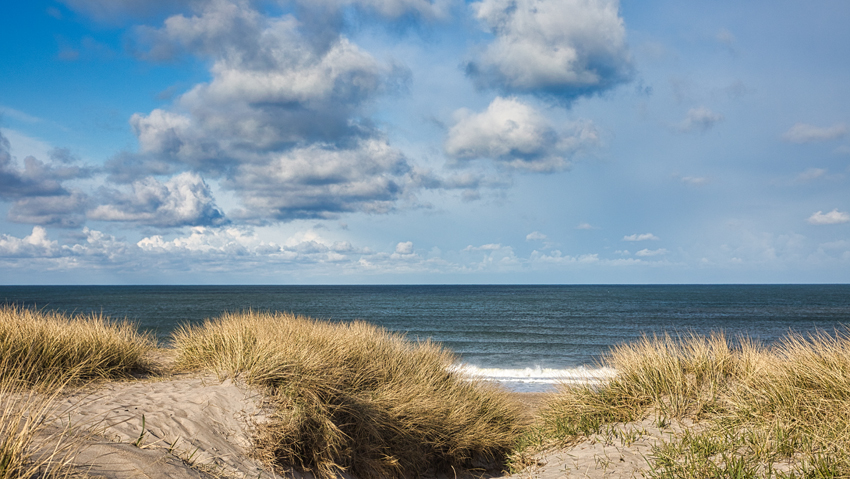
{"x":527,"y":337}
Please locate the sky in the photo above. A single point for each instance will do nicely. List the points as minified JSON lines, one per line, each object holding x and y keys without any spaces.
{"x":424,"y":141}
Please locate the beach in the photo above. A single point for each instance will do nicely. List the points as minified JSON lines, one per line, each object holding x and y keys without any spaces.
{"x":255,"y":394}
{"x":199,"y":426}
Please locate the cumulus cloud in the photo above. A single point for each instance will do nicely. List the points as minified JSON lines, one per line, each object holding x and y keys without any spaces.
{"x":184,"y":200}
{"x":699,"y":119}
{"x":271,"y":87}
{"x":31,"y":180}
{"x":804,"y":133}
{"x":559,"y":48}
{"x":36,"y":190}
{"x":640,"y":237}
{"x":834,"y":217}
{"x":127,"y":167}
{"x":405,"y":247}
{"x":35,"y":245}
{"x":535,"y":236}
{"x":281,"y":120}
{"x":320,"y":181}
{"x":243,"y":243}
{"x":66,"y":211}
{"x":517,"y":136}
{"x":210,"y":240}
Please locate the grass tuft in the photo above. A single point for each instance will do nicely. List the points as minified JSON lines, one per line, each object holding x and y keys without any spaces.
{"x":48,"y":348}
{"x":41,"y":354}
{"x":355,"y":397}
{"x":779,"y":411}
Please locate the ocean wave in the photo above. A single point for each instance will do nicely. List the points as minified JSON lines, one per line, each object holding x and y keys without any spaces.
{"x":535,"y":379}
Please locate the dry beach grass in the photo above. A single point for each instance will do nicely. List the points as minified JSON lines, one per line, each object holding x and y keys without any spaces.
{"x":356,"y":400}
{"x":42,"y":354}
{"x":355,"y":397}
{"x":740,"y":409}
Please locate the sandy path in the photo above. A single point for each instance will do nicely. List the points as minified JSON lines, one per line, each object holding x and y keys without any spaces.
{"x":621,"y":451}
{"x":193,"y":427}
{"x":199,"y":427}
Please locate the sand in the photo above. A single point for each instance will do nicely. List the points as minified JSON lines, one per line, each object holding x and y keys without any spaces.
{"x":200,"y":427}
{"x":621,"y":451}
{"x":182,"y":427}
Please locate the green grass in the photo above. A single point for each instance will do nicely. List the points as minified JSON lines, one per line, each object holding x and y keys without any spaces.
{"x":780,"y":411}
{"x":355,"y":397}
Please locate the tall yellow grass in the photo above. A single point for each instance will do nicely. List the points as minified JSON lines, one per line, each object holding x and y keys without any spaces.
{"x":756,"y":406}
{"x":355,"y":397}
{"x":41,"y":353}
{"x":47,"y":347}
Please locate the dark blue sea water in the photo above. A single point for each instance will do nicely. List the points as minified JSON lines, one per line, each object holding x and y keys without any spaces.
{"x":527,"y":333}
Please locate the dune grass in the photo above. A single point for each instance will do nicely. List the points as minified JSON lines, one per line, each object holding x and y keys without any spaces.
{"x":778,"y":411}
{"x":24,"y":414}
{"x":46,"y":348}
{"x":355,"y":397}
{"x":41,"y":354}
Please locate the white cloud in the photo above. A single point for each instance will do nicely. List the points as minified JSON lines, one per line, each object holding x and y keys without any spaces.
{"x":405,"y":247}
{"x":37,"y":189}
{"x":35,"y":245}
{"x":586,"y":226}
{"x":648,"y":252}
{"x":320,"y":181}
{"x":555,"y":257}
{"x":184,"y":200}
{"x":804,"y":133}
{"x":66,"y":211}
{"x":699,"y":119}
{"x":640,"y":237}
{"x":834,"y":217}
{"x":281,"y":119}
{"x":535,"y":236}
{"x":210,"y":240}
{"x":516,"y":135}
{"x":270,"y":87}
{"x":562,"y":48}
{"x":237,"y":245}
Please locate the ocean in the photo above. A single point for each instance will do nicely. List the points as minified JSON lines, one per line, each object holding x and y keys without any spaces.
{"x":526,"y":337}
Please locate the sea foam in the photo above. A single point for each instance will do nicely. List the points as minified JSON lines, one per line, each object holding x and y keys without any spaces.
{"x":536,"y":379}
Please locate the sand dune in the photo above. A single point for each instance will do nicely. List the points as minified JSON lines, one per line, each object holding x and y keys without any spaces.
{"x":192,"y":427}
{"x":197,"y":427}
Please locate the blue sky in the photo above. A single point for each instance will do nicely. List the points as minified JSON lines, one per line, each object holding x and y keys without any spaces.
{"x":417,"y":141}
